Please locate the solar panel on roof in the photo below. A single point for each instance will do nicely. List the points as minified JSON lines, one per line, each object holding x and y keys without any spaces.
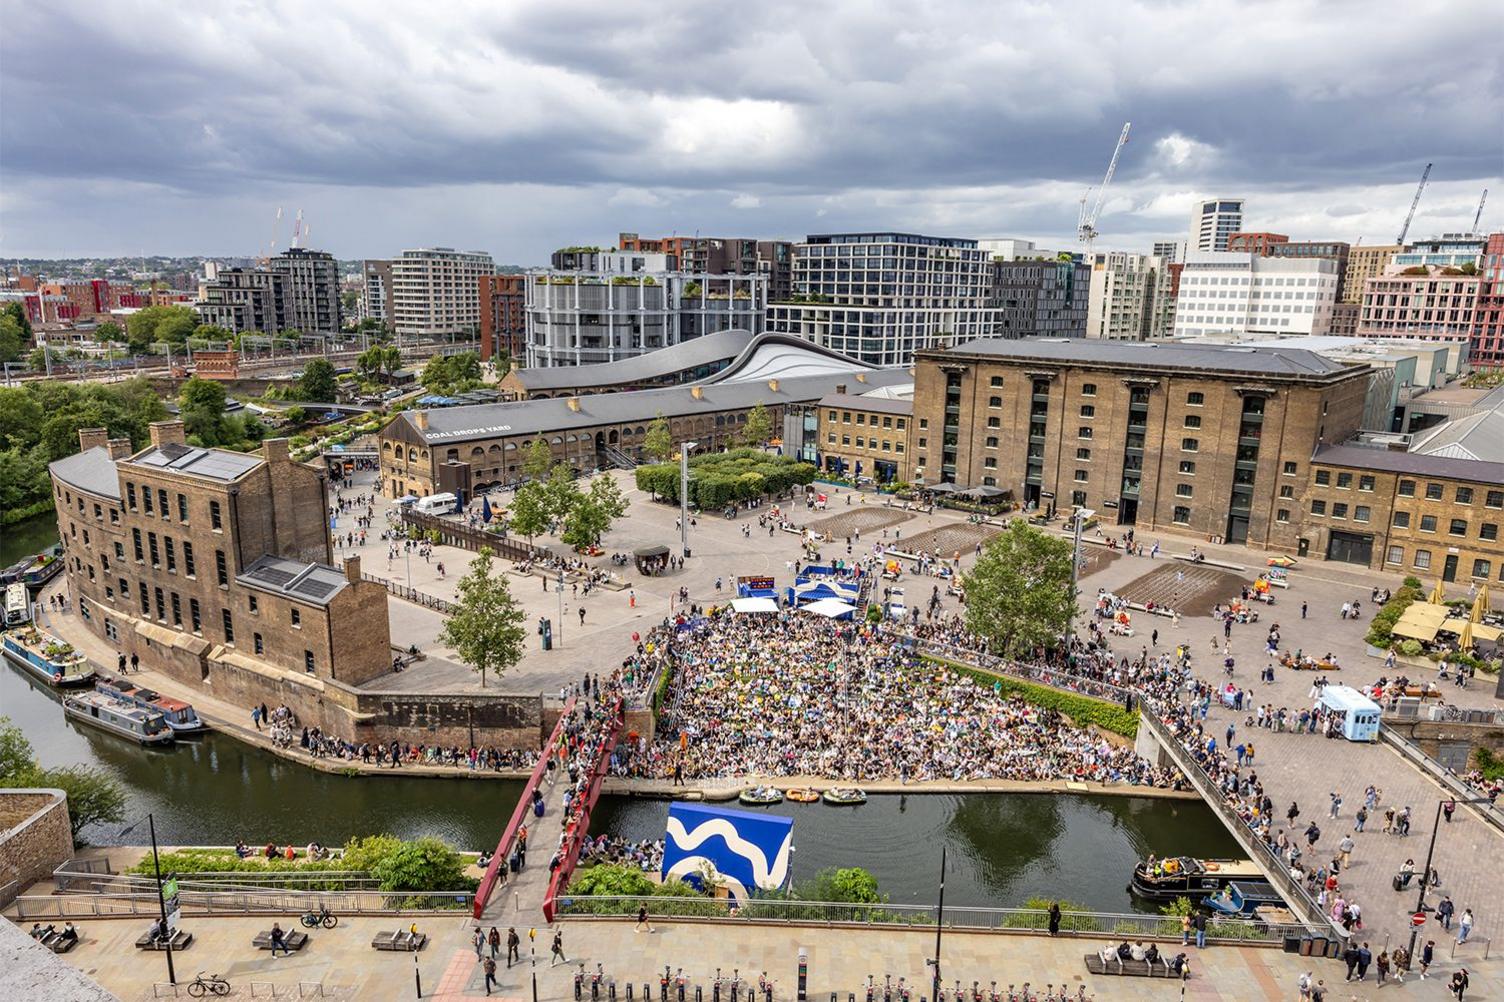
{"x":272,"y":575}
{"x":314,"y":587}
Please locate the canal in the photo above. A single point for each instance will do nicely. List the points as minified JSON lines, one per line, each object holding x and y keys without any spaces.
{"x":1003,"y":848}
{"x":29,"y":536}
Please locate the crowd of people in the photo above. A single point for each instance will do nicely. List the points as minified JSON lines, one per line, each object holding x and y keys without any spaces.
{"x":855,"y":704}
{"x":645,"y":854}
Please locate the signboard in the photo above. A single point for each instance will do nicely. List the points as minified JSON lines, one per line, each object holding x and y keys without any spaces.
{"x":756,"y":581}
{"x":742,"y":851}
{"x":1418,"y":919}
{"x":172,"y":903}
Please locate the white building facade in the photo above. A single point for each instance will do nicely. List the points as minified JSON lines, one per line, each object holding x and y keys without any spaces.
{"x":1129,"y":297}
{"x":1228,"y":292}
{"x":436,"y":291}
{"x":1213,"y":220}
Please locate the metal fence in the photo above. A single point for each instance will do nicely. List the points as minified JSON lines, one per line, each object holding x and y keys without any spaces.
{"x":467,"y":538}
{"x":1044,"y":675}
{"x":411,"y":594}
{"x":239,"y":902}
{"x":1442,"y":775}
{"x":1413,"y":708}
{"x":275,"y":880}
{"x":1083,"y":924}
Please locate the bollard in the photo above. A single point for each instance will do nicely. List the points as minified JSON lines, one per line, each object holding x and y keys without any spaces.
{"x":611,"y":990}
{"x":715,"y":989}
{"x":679,"y":991}
{"x":629,"y":991}
{"x":647,"y":991}
{"x":699,"y":993}
{"x":595,"y":990}
{"x":767,"y":993}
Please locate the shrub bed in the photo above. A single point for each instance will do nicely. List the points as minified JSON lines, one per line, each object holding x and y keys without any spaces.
{"x":1081,"y":709}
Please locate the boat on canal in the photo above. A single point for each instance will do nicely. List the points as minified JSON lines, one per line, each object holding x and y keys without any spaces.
{"x":1187,"y":876}
{"x":760,"y":796}
{"x":845,"y":796}
{"x":124,"y":719}
{"x":17,"y":605}
{"x":802,"y":794}
{"x":180,"y":716}
{"x":46,"y":657}
{"x":1244,"y":897}
{"x":36,"y":570}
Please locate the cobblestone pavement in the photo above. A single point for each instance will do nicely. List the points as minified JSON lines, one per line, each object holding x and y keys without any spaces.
{"x":871,"y":519}
{"x":1190,"y":589}
{"x":949,"y":540}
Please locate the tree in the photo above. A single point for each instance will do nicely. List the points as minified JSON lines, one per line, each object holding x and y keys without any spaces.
{"x":528,"y":511}
{"x":561,"y":494}
{"x":17,"y":314}
{"x":15,"y":752}
{"x":426,"y":864}
{"x":449,"y":374}
{"x":537,"y":460}
{"x":109,"y":331}
{"x":20,"y":416}
{"x":658,"y":443}
{"x":173,"y":325}
{"x":1019,"y":594}
{"x":202,"y":404}
{"x":94,"y":796}
{"x":593,"y":512}
{"x":758,"y":427}
{"x":317,"y":381}
{"x":485,"y":627}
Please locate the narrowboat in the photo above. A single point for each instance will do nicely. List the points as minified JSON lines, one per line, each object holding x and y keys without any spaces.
{"x":36,"y":570}
{"x":46,"y":657}
{"x":1243,"y":897}
{"x":17,"y":605}
{"x":124,"y":719}
{"x":180,"y":716}
{"x":1186,"y":876}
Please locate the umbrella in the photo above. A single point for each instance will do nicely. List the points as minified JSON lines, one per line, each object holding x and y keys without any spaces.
{"x":986,"y":492}
{"x":944,"y":489}
{"x":831,"y":608}
{"x":485,"y":510}
{"x":1478,"y":607}
{"x":1465,"y":638}
{"x":1439,"y":594}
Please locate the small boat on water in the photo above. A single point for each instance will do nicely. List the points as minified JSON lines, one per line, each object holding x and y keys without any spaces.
{"x":36,"y":570}
{"x":845,"y":796}
{"x":17,"y":605}
{"x":1244,"y":897}
{"x":1186,"y":876}
{"x":180,"y":716}
{"x":46,"y":657}
{"x":801,"y":794}
{"x":124,"y":719}
{"x":760,"y":796}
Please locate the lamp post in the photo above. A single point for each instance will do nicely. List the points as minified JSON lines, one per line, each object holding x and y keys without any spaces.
{"x":684,"y":451}
{"x":161,"y":900}
{"x":1082,"y":514}
{"x":939,"y":925}
{"x":1425,"y":874}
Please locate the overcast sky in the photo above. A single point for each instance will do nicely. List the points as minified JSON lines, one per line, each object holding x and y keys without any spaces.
{"x":148,"y":126}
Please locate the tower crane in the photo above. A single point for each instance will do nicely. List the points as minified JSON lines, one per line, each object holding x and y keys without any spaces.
{"x":1425,"y":176}
{"x":1478,"y":216}
{"x":1086,"y":222}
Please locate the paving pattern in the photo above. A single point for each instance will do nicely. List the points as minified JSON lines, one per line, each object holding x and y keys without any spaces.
{"x":863,"y":518}
{"x":947,"y":540}
{"x":1189,"y":589}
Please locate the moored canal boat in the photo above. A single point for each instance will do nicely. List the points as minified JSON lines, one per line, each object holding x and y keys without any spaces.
{"x":46,"y":657}
{"x":118,"y":717}
{"x":180,"y":716}
{"x":1186,"y":876}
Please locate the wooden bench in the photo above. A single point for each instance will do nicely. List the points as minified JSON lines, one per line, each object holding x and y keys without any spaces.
{"x":180,"y":940}
{"x":401,"y":940}
{"x":59,"y":943}
{"x":294,"y":940}
{"x":1129,"y":968}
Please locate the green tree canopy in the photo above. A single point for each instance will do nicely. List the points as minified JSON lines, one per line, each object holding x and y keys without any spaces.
{"x":94,"y":796}
{"x":593,"y":513}
{"x":528,"y":512}
{"x":109,"y":331}
{"x":171,"y":324}
{"x":758,"y":428}
{"x":658,"y":443}
{"x":317,"y":382}
{"x":485,"y":628}
{"x":202,"y":406}
{"x":1019,"y":594}
{"x":537,"y":459}
{"x":450,"y":374}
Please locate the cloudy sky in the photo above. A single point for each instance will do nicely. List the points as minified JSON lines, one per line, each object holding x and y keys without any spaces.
{"x":151,"y":126}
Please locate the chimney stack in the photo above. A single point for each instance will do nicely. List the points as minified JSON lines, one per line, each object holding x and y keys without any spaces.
{"x":167,"y":433}
{"x":352,"y":569}
{"x":574,"y":404}
{"x":420,"y":418}
{"x":274,"y":450}
{"x":119,"y":448}
{"x":89,"y":438}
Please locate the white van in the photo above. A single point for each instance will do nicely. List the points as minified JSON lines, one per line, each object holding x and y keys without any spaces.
{"x":437,"y":504}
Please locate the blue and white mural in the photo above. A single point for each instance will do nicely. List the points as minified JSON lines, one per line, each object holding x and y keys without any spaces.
{"x":747,"y":852}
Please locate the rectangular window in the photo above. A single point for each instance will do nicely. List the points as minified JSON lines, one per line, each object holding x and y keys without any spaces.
{"x":991,"y":442}
{"x":1494,"y":499}
{"x":1287,"y":491}
{"x":1083,"y":432}
{"x":993,"y":422}
{"x":1464,"y":495}
{"x":162,"y":503}
{"x":308,"y":662}
{"x":1323,"y":478}
{"x":1189,"y":445}
{"x":221,"y":569}
{"x":995,"y":381}
{"x":177,"y":610}
{"x":172,"y":557}
{"x":1365,"y":483}
{"x":1184,"y":490}
{"x":1428,"y":523}
{"x":1361,"y":513}
{"x":229,"y":624}
{"x":1481,"y":568}
{"x":130,"y":496}
{"x":1396,"y":555}
{"x":145,"y":594}
{"x":1083,"y":455}
{"x":214,"y":520}
{"x":1488,"y":531}
{"x":1087,"y":410}
{"x":1193,"y":420}
{"x":297,"y":619}
{"x":256,"y":640}
{"x":193,"y":616}
{"x":1318,"y":507}
{"x":1080,"y":476}
{"x":1283,"y":515}
{"x":151,"y":546}
{"x":252,"y":600}
{"x":188,"y":558}
{"x":1406,"y":489}
{"x":161,"y":605}
{"x":1401,"y":520}
{"x":1088,"y":389}
{"x":1195,"y":398}
{"x":990,"y":463}
{"x":1458,"y":527}
{"x":1181,"y":515}
{"x":183,"y":508}
{"x":1433,"y":492}
{"x":1291,"y":468}
{"x":125,"y":589}
{"x":136,"y":540}
{"x":146,"y":500}
{"x":1339,"y":510}
{"x":1188,"y":467}
{"x":1422,"y":559}
{"x":1344,"y":481}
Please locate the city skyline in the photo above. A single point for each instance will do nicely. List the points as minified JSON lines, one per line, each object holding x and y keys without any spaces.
{"x":514,"y":131}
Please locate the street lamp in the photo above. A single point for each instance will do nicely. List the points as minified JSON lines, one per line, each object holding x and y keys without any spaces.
{"x":684,"y":451}
{"x":1425,"y":874}
{"x":1082,"y":514}
{"x":161,"y":901}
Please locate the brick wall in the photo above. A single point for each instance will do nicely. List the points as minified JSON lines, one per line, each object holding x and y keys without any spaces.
{"x":35,"y":836}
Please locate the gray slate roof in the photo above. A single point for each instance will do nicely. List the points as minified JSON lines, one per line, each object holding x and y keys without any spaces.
{"x":92,"y":470}
{"x":216,"y":464}
{"x":1261,"y":360}
{"x":872,"y":405}
{"x":1415,"y":463}
{"x":529,"y":417}
{"x":312,"y":584}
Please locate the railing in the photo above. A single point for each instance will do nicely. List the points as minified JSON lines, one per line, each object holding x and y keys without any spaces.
{"x":497,"y":869}
{"x":1053,"y":677}
{"x":467,"y":538}
{"x":1448,"y":779}
{"x":411,"y":594}
{"x":1116,"y":924}
{"x":8,"y":892}
{"x":574,"y":836}
{"x":279,"y":880}
{"x":1414,"y":708}
{"x":243,"y":902}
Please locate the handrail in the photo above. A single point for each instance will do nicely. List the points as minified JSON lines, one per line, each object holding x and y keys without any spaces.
{"x":1442,"y":775}
{"x":575,"y":837}
{"x":519,"y":813}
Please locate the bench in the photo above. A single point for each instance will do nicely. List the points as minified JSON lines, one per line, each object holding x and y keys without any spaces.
{"x":294,"y":939}
{"x":60,"y":943}
{"x":400,"y":940}
{"x":1129,"y":968}
{"x":180,"y":941}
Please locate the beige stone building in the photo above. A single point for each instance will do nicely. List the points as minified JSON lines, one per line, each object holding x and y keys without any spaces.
{"x":866,"y":436}
{"x":1365,"y":261}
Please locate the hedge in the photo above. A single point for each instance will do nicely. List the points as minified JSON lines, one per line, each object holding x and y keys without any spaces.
{"x":1380,"y":629}
{"x":1081,"y":709}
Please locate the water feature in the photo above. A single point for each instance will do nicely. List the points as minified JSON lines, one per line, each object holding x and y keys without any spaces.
{"x":1003,"y":848}
{"x":28,"y":536}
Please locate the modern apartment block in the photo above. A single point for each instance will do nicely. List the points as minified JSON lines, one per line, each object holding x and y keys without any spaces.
{"x":1208,"y":439}
{"x":1488,"y":321}
{"x":1450,"y":250}
{"x":1043,"y":297}
{"x":1429,"y":305}
{"x":435,"y":291}
{"x":1233,"y":292}
{"x":773,"y":259}
{"x":310,"y":284}
{"x":619,"y":304}
{"x":880,"y":297}
{"x":1213,"y":222}
{"x":1365,"y":261}
{"x":244,"y":299}
{"x":503,"y":315}
{"x":1128,"y":297}
{"x":376,"y":291}
{"x":1168,"y":250}
{"x":1279,"y":245}
{"x":1255,"y":243}
{"x":1013,"y":249}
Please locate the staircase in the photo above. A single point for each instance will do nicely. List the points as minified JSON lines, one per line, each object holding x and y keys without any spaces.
{"x":618,"y":459}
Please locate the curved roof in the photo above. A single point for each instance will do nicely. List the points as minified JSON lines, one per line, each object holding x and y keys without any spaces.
{"x":92,"y":471}
{"x":748,"y":356}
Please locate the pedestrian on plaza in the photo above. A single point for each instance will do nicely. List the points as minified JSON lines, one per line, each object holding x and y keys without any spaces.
{"x":582,"y":615}
{"x":556,"y":954}
{"x":1302,"y":610}
{"x":1459,"y":983}
{"x":1292,"y":813}
{"x":1388,"y":820}
{"x":1054,"y":918}
{"x":1360,"y":819}
{"x":1427,"y":954}
{"x":1154,"y":638}
{"x":135,"y":664}
{"x":1312,"y":834}
{"x":1336,"y":803}
{"x":514,"y":943}
{"x":1383,"y":966}
{"x":642,"y":920}
{"x":1185,"y":930}
{"x":1318,"y":994}
{"x":1345,"y":851}
{"x":1350,"y":958}
{"x":489,"y":966}
{"x":1465,"y":925}
{"x":1365,"y":957}
{"x":479,"y":941}
{"x":1448,"y":809}
{"x":1198,"y":922}
{"x":279,"y":941}
{"x":256,"y":716}
{"x":1402,"y":821}
{"x":120,"y":662}
{"x":493,"y":938}
{"x":1304,"y":986}
{"x":1444,"y":912}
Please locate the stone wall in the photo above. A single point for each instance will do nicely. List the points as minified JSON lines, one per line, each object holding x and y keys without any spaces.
{"x":35,"y":836}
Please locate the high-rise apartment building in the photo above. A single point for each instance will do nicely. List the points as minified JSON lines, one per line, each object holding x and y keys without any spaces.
{"x":376,"y":291}
{"x":1420,"y":303}
{"x":436,"y":291}
{"x":1012,"y":249}
{"x":1246,"y":293}
{"x":1255,"y":243}
{"x":1213,"y":221}
{"x":1039,"y":297}
{"x":503,"y":315}
{"x":1279,"y":245}
{"x":773,"y":259}
{"x":879,"y":297}
{"x":1365,"y":261}
{"x":1450,"y":250}
{"x":1127,"y":297}
{"x":1168,"y":251}
{"x":310,"y":289}
{"x":1488,"y":322}
{"x":618,"y":304}
{"x":244,"y":299}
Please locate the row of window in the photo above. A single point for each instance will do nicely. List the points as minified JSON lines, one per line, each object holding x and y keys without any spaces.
{"x":161,"y":507}
{"x":888,"y":445}
{"x":155,"y":599}
{"x":862,"y":419}
{"x":1421,"y":560}
{"x":1455,"y":527}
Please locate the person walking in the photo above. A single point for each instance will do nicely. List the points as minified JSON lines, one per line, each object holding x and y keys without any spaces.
{"x":478,"y":940}
{"x":514,"y":943}
{"x":556,"y":952}
{"x":1459,"y":983}
{"x":1336,"y":802}
{"x":1448,"y":809}
{"x":1444,"y":912}
{"x":1427,"y":954}
{"x":1292,"y":813}
{"x":493,"y":938}
{"x":1054,"y":918}
{"x":1199,"y":924}
{"x":256,"y":716}
{"x":1365,"y":957}
{"x":642,"y":920}
{"x":1465,"y":926}
{"x":489,"y":966}
{"x":1345,"y":850}
{"x":1302,"y":610}
{"x":1382,"y":971}
{"x":1350,"y":958}
{"x":1303,"y":986}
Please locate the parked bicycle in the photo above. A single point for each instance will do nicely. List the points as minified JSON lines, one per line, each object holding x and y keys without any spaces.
{"x":211,"y":985}
{"x":323,"y":917}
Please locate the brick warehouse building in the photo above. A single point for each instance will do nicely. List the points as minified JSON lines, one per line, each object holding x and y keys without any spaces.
{"x":1208,"y":439}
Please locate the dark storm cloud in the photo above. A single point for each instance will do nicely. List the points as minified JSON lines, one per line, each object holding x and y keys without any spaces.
{"x":959,"y":116}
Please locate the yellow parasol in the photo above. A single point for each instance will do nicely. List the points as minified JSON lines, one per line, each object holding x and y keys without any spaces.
{"x":1439,"y":594}
{"x":1465,"y":638}
{"x":1478,"y":606}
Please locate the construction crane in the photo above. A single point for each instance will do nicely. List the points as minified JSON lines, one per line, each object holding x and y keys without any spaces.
{"x":1425,"y":176}
{"x":1478,"y":216}
{"x":1086,"y":222}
